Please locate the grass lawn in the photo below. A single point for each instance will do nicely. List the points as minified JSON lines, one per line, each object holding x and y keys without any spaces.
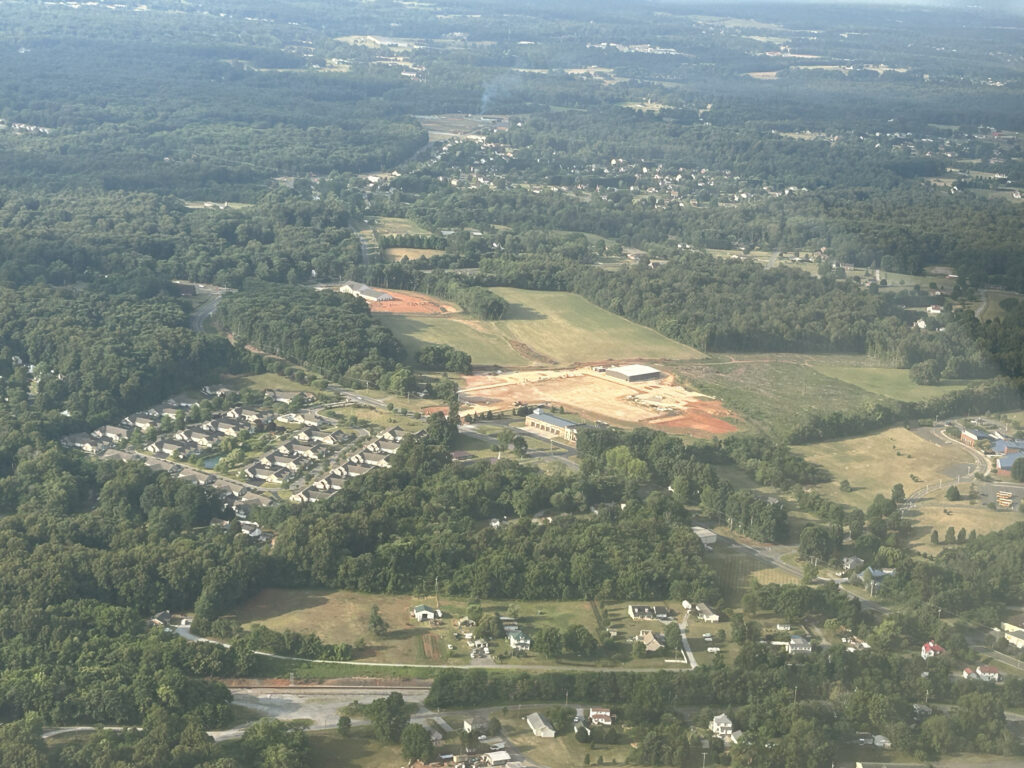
{"x":329,"y":750}
{"x":889,"y":382}
{"x":560,"y":752}
{"x":874,"y":464}
{"x":540,"y":328}
{"x":735,"y":570}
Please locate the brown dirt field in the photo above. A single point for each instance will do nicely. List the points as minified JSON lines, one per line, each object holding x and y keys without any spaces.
{"x":409,"y":303}
{"x":434,"y":409}
{"x":656,"y":404}
{"x":699,"y":417}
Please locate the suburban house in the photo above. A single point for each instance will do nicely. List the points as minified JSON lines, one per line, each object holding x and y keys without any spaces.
{"x":330,"y":483}
{"x":498,"y":757}
{"x":246,"y":414}
{"x":600,"y":716}
{"x":706,"y":614}
{"x":425,"y":613}
{"x":637,"y":612}
{"x":371,"y":459}
{"x":383,"y":446}
{"x":277,"y":460}
{"x":477,"y":724}
{"x":518,"y":641}
{"x":140,"y":422}
{"x":651,"y":641}
{"x":1013,"y":631}
{"x":930,"y":649}
{"x":799,"y":644}
{"x":316,"y":436}
{"x":987,"y":673}
{"x":553,"y":425}
{"x":197,"y":437}
{"x":934,"y":309}
{"x":540,"y":726}
{"x":354,"y":470}
{"x":110,"y":432}
{"x":721,"y":726}
{"x":167,"y":447}
{"x":199,"y":478}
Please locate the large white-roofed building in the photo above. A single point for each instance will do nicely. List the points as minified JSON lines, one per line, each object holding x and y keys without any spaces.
{"x":634,"y":373}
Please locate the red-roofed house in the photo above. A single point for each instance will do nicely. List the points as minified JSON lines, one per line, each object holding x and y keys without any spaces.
{"x":930,"y":649}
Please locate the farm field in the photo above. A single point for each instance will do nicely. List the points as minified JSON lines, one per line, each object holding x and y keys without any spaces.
{"x":544,"y":328}
{"x":889,"y":382}
{"x":875,"y":463}
{"x":342,"y":617}
{"x":655,"y":404}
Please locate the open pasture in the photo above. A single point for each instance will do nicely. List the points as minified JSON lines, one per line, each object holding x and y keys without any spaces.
{"x":889,"y":382}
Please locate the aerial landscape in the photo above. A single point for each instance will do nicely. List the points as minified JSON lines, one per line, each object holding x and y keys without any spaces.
{"x":535,"y":384}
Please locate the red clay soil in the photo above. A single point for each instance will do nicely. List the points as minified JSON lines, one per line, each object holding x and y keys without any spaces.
{"x":406,"y":303}
{"x":699,"y":417}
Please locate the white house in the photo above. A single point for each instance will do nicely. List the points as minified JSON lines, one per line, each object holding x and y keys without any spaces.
{"x":706,"y":614}
{"x":721,"y":726}
{"x":600,"y":716}
{"x":799,"y":644}
{"x":540,"y":726}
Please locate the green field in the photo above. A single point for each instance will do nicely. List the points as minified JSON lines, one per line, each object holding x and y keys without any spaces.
{"x":735,"y":570}
{"x":389,"y":225}
{"x":342,"y":617}
{"x":541,"y":328}
{"x":474,"y":337}
{"x":889,"y":382}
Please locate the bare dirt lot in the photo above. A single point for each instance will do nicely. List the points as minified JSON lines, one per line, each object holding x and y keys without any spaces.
{"x":656,"y":404}
{"x":409,"y":303}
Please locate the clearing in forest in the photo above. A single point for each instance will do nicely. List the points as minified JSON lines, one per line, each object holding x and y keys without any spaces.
{"x":542,"y":328}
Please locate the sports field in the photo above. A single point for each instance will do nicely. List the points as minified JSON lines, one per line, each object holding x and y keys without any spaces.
{"x":874,"y":464}
{"x":542,"y":328}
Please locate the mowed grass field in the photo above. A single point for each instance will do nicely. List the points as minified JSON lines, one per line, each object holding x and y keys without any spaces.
{"x":737,"y":569}
{"x":342,"y":617}
{"x":889,"y":382}
{"x":874,"y":464}
{"x":541,"y":328}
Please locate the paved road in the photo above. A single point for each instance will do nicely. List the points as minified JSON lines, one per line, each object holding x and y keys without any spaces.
{"x":207,"y":308}
{"x":686,"y":642}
